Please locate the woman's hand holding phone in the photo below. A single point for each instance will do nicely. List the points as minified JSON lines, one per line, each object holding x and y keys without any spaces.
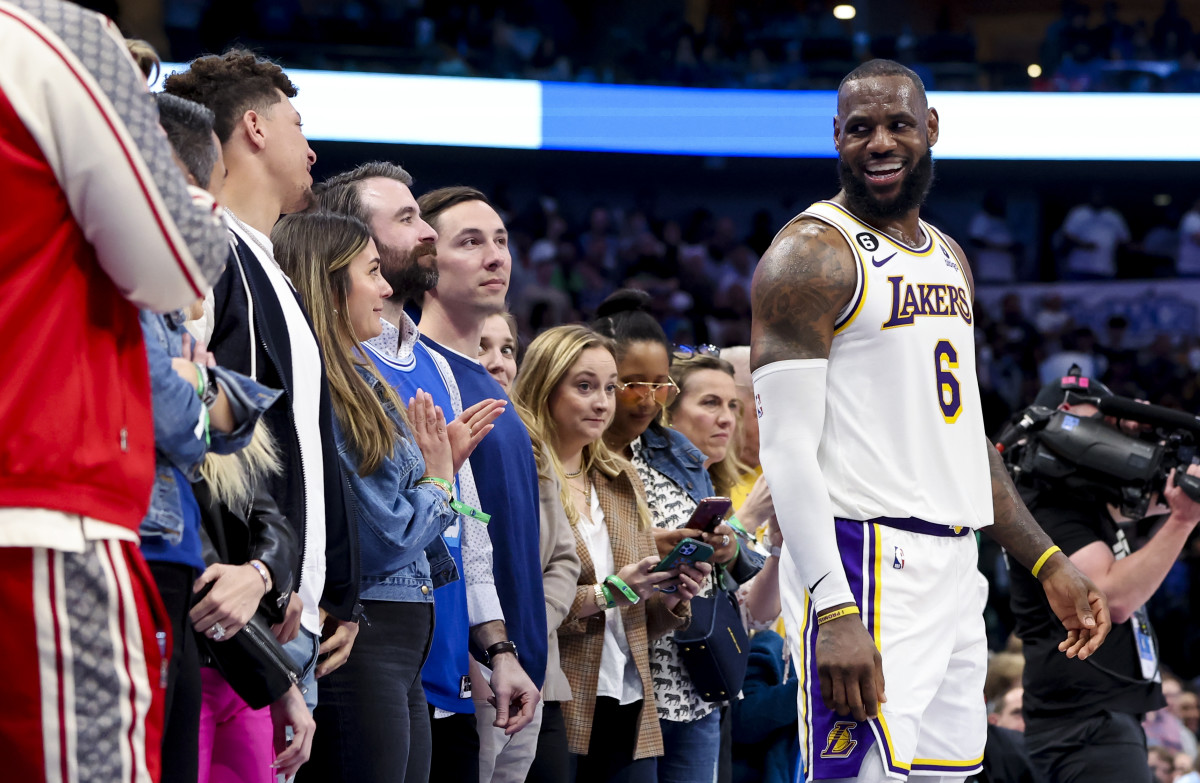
{"x":642,"y":578}
{"x":687,"y":583}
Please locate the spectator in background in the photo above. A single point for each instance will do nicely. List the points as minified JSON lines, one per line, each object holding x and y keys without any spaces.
{"x":996,"y":253}
{"x":1005,"y":711}
{"x":1187,"y":262}
{"x":1078,"y":348}
{"x":1187,"y":708}
{"x":499,"y":348}
{"x":1005,"y":759}
{"x":766,"y":747}
{"x":99,"y":222}
{"x":1172,"y":32}
{"x":1093,"y":233}
{"x":1162,"y":764}
{"x":1052,"y":319}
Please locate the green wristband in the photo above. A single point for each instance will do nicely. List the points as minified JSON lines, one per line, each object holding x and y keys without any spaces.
{"x":625,"y":589}
{"x":441,"y":482}
{"x":608,"y":596}
{"x":469,"y":511}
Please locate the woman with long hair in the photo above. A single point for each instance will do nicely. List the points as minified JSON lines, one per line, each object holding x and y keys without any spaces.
{"x":565,"y":392}
{"x":672,"y":469}
{"x":399,"y":465}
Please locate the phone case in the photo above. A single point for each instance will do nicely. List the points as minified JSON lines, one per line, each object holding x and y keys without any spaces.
{"x":689,"y":550}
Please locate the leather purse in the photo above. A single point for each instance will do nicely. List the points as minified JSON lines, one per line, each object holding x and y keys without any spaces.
{"x":715,"y":647}
{"x":254,"y":663}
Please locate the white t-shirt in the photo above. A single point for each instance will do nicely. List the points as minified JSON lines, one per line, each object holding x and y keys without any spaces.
{"x":1105,"y":228}
{"x":306,"y":413}
{"x":1189,"y":248}
{"x":619,"y":677}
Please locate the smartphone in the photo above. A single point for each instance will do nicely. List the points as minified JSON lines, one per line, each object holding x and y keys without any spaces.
{"x":709,"y":513}
{"x":689,"y":550}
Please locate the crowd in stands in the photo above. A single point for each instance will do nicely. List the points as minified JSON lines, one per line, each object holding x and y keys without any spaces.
{"x":781,"y":44}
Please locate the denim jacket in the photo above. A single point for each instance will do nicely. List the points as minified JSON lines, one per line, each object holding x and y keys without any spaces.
{"x":673,"y":455}
{"x":179,"y":440}
{"x":400,"y":525}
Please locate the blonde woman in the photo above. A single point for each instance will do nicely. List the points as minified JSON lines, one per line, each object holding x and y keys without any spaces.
{"x":372,"y":712}
{"x":565,"y":392}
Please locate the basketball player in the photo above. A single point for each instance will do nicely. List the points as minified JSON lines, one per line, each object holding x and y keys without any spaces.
{"x":873,"y":444}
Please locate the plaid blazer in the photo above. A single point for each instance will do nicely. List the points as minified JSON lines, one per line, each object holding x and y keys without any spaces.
{"x":581,"y":640}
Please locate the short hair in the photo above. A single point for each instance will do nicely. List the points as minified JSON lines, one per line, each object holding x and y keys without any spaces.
{"x":435,"y":202}
{"x":231,"y":84}
{"x":881,"y":67}
{"x":341,"y":193}
{"x":189,"y":128}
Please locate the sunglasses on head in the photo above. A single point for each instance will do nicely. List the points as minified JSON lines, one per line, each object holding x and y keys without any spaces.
{"x":688,"y":351}
{"x":662,"y":393}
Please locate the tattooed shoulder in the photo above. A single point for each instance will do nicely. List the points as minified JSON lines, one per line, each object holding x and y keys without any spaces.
{"x":805,"y":278}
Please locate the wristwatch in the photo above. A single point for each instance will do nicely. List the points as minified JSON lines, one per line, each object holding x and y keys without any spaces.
{"x":499,"y":648}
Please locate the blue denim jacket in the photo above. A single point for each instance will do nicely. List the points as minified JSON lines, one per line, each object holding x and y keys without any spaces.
{"x":672,"y":454}
{"x":400,"y":525}
{"x":178,"y":431}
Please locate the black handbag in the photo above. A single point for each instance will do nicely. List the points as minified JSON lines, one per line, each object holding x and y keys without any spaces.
{"x":715,"y":647}
{"x":254,"y":663}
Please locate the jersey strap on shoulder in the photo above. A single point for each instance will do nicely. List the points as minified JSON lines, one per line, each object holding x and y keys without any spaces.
{"x":827,"y":213}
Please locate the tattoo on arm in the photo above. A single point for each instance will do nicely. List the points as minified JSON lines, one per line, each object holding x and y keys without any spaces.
{"x":1014,"y":528}
{"x":805,"y":278}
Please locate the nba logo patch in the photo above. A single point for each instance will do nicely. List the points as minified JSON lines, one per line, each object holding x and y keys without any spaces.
{"x":868,"y":241}
{"x":839,"y":743}
{"x":758,"y":405}
{"x":898,"y":558}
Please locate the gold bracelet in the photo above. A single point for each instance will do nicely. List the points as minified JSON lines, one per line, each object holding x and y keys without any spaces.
{"x":1041,"y":561}
{"x":836,"y":613}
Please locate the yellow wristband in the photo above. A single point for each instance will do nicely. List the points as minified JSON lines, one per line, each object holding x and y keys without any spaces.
{"x":1041,"y":561}
{"x":836,"y":613}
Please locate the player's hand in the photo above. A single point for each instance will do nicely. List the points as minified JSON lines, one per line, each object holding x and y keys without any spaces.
{"x":1079,"y":605}
{"x":850,"y":668}
{"x":665,"y":540}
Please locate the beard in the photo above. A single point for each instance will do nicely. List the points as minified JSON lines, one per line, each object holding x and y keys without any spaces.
{"x":912,"y":193}
{"x":405,"y":272}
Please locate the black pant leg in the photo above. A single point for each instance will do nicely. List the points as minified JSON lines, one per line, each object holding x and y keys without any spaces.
{"x":552,"y":762}
{"x":610,"y":750}
{"x":181,"y":716}
{"x":455,"y":752}
{"x":1106,"y":746}
{"x":365,"y":728}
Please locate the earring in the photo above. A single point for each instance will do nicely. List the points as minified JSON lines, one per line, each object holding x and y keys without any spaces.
{"x":335,"y":312}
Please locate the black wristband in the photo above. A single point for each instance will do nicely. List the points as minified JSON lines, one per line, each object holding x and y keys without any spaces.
{"x":499,"y":648}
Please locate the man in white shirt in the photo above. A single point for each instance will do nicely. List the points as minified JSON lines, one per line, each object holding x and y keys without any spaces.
{"x":1093,"y":232}
{"x":1188,"y":262}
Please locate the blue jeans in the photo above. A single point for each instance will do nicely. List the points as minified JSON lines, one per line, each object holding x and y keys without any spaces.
{"x":303,"y":650}
{"x":691,"y":750}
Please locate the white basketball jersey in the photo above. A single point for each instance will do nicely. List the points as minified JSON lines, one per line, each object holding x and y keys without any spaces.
{"x":904,"y":433}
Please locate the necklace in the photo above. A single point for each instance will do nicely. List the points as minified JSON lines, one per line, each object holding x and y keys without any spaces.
{"x":251,"y":233}
{"x":574,"y":475}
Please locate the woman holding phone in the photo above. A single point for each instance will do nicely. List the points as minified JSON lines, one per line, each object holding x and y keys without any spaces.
{"x":674,"y":473}
{"x":565,"y":392}
{"x":399,"y":464}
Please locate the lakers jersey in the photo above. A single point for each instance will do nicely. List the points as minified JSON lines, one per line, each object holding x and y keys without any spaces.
{"x":904,"y":433}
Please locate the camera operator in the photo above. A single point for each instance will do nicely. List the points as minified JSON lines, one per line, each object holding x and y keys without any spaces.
{"x":1083,"y":718}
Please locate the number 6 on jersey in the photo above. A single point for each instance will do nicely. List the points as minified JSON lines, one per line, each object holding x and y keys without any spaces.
{"x":945,"y":359}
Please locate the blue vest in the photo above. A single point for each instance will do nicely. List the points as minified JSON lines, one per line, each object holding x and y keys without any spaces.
{"x":449,"y":657}
{"x":507,"y":481}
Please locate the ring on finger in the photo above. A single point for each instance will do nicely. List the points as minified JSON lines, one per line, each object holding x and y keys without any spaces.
{"x":725,"y":540}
